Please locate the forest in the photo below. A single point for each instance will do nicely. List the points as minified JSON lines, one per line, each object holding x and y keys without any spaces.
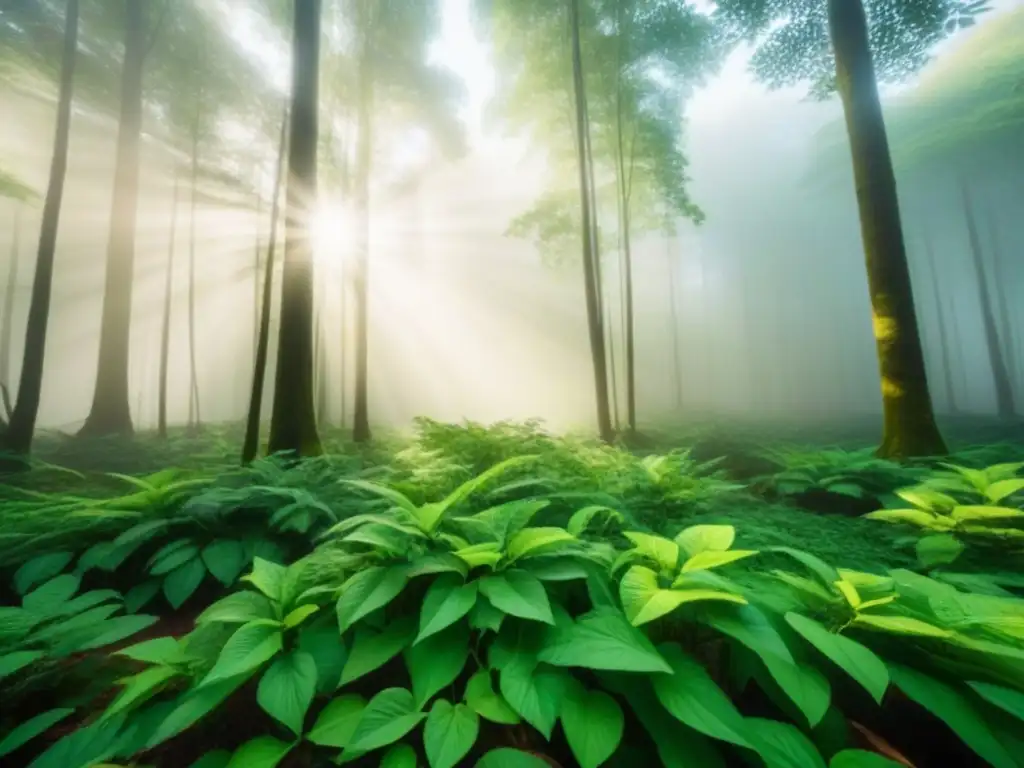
{"x":511,"y":383}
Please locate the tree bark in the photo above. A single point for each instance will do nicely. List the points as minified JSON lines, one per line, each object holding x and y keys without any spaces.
{"x":7,"y":321}
{"x":909,"y":427}
{"x":293,"y":418}
{"x":361,"y":265}
{"x":673,"y":290}
{"x":111,"y":410}
{"x":20,"y":431}
{"x":1000,"y":372}
{"x":591,"y":287}
{"x":251,"y":443}
{"x":165,"y":326}
{"x":194,"y":415}
{"x":944,"y":345}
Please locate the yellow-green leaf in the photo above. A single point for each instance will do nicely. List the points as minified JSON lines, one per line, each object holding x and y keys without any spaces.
{"x":900,"y":625}
{"x":476,"y":555}
{"x":644,"y":600}
{"x":980,"y":512}
{"x":530,"y":540}
{"x":299,"y":615}
{"x":916,"y":517}
{"x":1001,"y":489}
{"x":706,"y":538}
{"x":709,"y":559}
{"x":664,"y":552}
{"x":849,"y":592}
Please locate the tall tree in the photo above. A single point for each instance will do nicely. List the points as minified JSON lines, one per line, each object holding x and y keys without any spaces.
{"x":944,"y":340}
{"x":111,"y":410}
{"x":165,"y":324}
{"x":7,"y":313}
{"x":20,"y":431}
{"x":293,"y":419}
{"x":830,"y":43}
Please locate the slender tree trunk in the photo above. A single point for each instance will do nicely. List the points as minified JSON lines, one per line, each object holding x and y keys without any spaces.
{"x":673,"y":290}
{"x":111,"y":410}
{"x":909,"y":422}
{"x":23,"y":420}
{"x":194,"y":416}
{"x":1000,"y":372}
{"x":165,"y":327}
{"x":256,"y":272}
{"x":293,"y":420}
{"x":251,"y":443}
{"x":940,"y":314}
{"x":1006,"y":334}
{"x":361,"y":265}
{"x":7,"y":321}
{"x":592,"y":288}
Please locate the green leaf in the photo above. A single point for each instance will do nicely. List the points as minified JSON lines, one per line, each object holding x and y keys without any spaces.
{"x":706,"y":538}
{"x":28,"y":730}
{"x":446,"y":601}
{"x":490,"y":705}
{"x":40,"y":569}
{"x":644,"y":600}
{"x":138,"y":596}
{"x":437,"y":661}
{"x":662,"y":551}
{"x":238,"y":608}
{"x":217,"y":759}
{"x":938,"y":549}
{"x":115,"y":630}
{"x":534,"y":692}
{"x":1006,"y":699}
{"x":476,"y":555}
{"x":956,"y":711}
{"x":856,"y":660}
{"x":225,"y":559}
{"x":506,"y":757}
{"x":858,"y":758}
{"x":286,"y":689}
{"x":593,"y":723}
{"x":825,"y":572}
{"x":388,"y":717}
{"x":979,"y":512}
{"x":900,"y":625}
{"x":261,"y":752}
{"x":299,"y":615}
{"x":399,"y":756}
{"x":193,"y":706}
{"x":49,"y":597}
{"x":251,"y":646}
{"x":449,"y":733}
{"x":337,"y":722}
{"x":518,"y":593}
{"x":324,"y":644}
{"x":159,"y":650}
{"x":916,"y":517}
{"x":174,"y":559}
{"x":485,"y":616}
{"x":556,"y":568}
{"x":1001,"y":489}
{"x":371,"y":650}
{"x":709,"y":559}
{"x":692,"y":697}
{"x":602,"y":639}
{"x":181,"y":583}
{"x":530,"y":541}
{"x":12,"y":662}
{"x":582,"y":518}
{"x":268,"y":578}
{"x":369,"y":590}
{"x":781,"y":745}
{"x":138,"y":688}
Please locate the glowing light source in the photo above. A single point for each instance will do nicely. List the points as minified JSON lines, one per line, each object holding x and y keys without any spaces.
{"x":331,"y":232}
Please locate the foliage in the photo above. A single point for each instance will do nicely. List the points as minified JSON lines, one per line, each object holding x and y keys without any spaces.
{"x":858,"y":473}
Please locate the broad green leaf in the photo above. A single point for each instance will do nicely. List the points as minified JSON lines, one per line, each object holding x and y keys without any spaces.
{"x":114,"y":630}
{"x":534,"y":692}
{"x":602,"y":639}
{"x":299,"y":615}
{"x":446,"y":601}
{"x":485,"y":616}
{"x":193,"y":706}
{"x":12,"y":662}
{"x":926,"y":498}
{"x":486,"y":702}
{"x":159,"y":650}
{"x":644,"y":600}
{"x":261,"y":752}
{"x":251,"y":646}
{"x":692,"y":697}
{"x":48,"y":597}
{"x":238,"y":608}
{"x":337,"y":722}
{"x":593,"y":723}
{"x":324,"y":644}
{"x":782,"y":745}
{"x":268,"y":578}
{"x":367,"y":591}
{"x":1006,"y":699}
{"x":825,"y":573}
{"x":388,"y":717}
{"x":225,"y":559}
{"x":1002,"y":489}
{"x":532,"y":541}
{"x":518,"y":593}
{"x":174,"y":559}
{"x":582,"y":518}
{"x":938,"y":549}
{"x":372,"y":650}
{"x":978,"y":512}
{"x":432,"y":514}
{"x":39,"y":570}
{"x":849,"y":593}
{"x":182,"y":582}
{"x":286,"y":689}
{"x":141,"y":594}
{"x":708,"y":559}
{"x":662,"y":551}
{"x":556,"y":568}
{"x":449,"y":733}
{"x":900,"y":625}
{"x":435,"y":663}
{"x":856,"y":660}
{"x":706,"y":538}
{"x":506,"y":757}
{"x":138,"y":688}
{"x":217,"y":759}
{"x":956,"y":711}
{"x":916,"y":517}
{"x":400,"y":500}
{"x":476,"y":555}
{"x":858,"y":758}
{"x":28,"y":730}
{"x":399,"y":756}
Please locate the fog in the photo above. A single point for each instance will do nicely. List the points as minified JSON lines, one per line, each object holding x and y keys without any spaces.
{"x":772,"y":305}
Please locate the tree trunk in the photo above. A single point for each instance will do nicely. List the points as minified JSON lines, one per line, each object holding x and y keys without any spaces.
{"x":673,"y":289}
{"x":591,"y":286}
{"x":360,"y":267}
{"x":194,"y":415}
{"x":1000,"y":372}
{"x":256,"y":272}
{"x":165,"y":327}
{"x":111,"y":410}
{"x":1006,"y":334}
{"x":944,"y":346}
{"x":293,"y":419}
{"x":909,"y":422}
{"x":7,"y":321}
{"x":23,"y":420}
{"x":251,"y":443}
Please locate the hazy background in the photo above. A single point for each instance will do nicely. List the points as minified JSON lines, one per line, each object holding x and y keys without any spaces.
{"x":467,"y":323}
